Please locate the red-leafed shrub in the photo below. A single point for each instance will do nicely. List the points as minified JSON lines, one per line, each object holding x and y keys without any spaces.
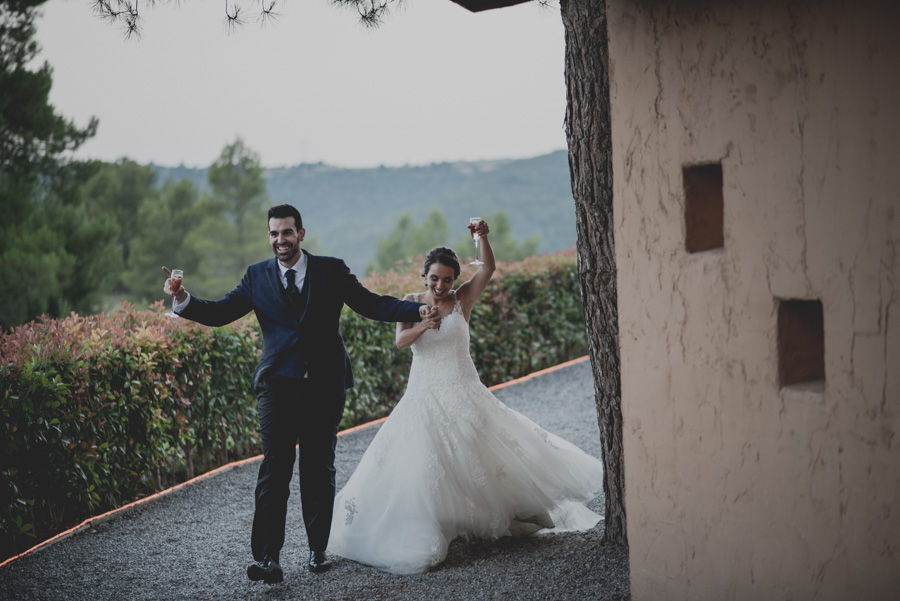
{"x":96,"y":411}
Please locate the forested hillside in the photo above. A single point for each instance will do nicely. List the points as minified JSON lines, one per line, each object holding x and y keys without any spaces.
{"x":211,"y":222}
{"x":347,"y":210}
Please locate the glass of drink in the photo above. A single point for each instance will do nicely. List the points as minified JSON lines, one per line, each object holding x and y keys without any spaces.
{"x":175,"y":285}
{"x":473,"y":222}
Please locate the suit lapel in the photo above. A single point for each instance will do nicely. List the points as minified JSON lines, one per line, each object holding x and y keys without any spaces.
{"x":311,"y":271}
{"x":273,"y":275}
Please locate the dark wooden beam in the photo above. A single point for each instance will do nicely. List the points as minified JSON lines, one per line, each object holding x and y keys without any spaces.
{"x":480,"y":5}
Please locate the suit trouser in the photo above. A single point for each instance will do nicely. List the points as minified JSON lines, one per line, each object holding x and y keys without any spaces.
{"x":293,"y":412}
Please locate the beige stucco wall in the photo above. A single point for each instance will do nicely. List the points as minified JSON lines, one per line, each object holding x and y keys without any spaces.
{"x":735,"y":488}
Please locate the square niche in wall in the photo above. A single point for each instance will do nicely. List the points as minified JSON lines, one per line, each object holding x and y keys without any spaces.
{"x":801,"y":342}
{"x":704,"y":207}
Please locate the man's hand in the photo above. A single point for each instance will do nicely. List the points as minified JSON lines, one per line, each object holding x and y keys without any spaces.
{"x":180,"y":295}
{"x":431,"y":317}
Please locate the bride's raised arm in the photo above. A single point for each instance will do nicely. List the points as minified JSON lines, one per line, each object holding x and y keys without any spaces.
{"x":471,"y":291}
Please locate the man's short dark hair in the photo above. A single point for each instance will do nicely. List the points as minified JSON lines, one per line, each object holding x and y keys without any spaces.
{"x":282,"y":211}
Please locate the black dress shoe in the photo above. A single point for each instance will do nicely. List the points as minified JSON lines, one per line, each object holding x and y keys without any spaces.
{"x":318,"y":562}
{"x":266,"y":570}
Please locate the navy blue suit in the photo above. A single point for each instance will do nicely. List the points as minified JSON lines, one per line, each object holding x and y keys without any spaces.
{"x":300,"y":383}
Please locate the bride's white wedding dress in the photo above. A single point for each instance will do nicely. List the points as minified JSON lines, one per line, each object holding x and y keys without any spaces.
{"x":453,"y":460}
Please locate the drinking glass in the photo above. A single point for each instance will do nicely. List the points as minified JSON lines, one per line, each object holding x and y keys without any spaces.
{"x":473,"y":222}
{"x":176,"y":277}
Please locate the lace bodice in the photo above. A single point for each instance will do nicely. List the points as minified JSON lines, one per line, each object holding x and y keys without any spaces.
{"x":443,"y":354}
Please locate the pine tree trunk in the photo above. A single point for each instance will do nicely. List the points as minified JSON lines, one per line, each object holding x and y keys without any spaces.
{"x":589,"y":134}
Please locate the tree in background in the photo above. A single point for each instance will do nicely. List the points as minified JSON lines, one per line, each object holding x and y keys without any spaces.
{"x":212,"y":236}
{"x":391,"y":250}
{"x":55,"y":255}
{"x":434,"y":231}
{"x":240,"y":190}
{"x":33,"y":137}
{"x":232,"y":229}
{"x":120,"y":189}
{"x":165,"y":222}
{"x":409,"y":240}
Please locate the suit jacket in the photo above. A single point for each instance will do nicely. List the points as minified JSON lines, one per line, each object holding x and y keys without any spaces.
{"x":311,"y":343}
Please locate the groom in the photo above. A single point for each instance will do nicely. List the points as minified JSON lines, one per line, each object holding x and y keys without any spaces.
{"x":301,"y":378}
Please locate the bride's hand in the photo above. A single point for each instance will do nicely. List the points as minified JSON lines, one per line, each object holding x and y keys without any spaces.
{"x":431,"y":317}
{"x":424,"y":311}
{"x":481,"y":228}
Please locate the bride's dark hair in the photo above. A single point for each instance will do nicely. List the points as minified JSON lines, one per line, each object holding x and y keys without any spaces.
{"x":444,"y":256}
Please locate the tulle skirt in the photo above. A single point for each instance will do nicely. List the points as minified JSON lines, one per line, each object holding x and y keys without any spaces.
{"x":453,"y":460}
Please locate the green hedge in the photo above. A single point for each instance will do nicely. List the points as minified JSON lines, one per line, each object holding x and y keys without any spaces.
{"x":97,"y":411}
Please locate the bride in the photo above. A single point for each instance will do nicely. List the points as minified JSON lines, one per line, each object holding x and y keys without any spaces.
{"x":452,"y":459}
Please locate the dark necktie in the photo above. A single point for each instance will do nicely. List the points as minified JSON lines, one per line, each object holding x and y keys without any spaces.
{"x":292,"y":290}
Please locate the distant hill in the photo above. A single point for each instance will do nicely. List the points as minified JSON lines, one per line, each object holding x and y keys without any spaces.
{"x":347,"y":210}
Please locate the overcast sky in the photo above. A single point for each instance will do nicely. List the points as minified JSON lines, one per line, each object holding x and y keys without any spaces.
{"x":434,"y":83}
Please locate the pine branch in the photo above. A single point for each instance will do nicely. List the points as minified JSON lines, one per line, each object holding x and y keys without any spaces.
{"x":121,"y":12}
{"x":371,"y":12}
{"x":127,"y":14}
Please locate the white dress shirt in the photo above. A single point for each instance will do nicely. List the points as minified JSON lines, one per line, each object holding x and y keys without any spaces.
{"x":299,"y":267}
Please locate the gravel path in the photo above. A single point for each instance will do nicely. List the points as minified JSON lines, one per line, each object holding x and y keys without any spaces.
{"x":194,"y":544}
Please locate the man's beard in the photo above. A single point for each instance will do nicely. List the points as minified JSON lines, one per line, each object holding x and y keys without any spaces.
{"x":289,"y":254}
